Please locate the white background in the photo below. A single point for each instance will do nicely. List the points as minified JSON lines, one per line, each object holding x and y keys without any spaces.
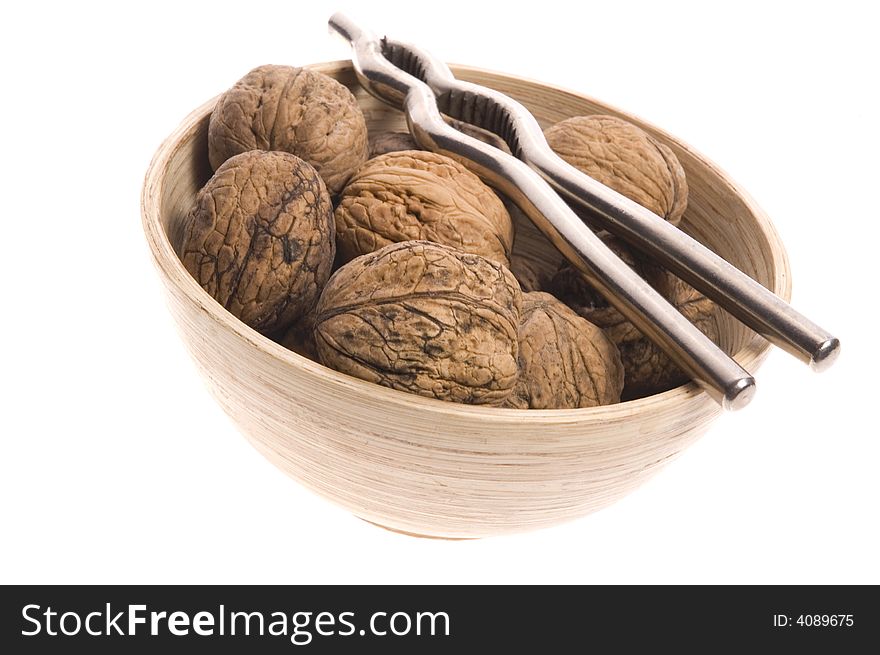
{"x":117,"y":466}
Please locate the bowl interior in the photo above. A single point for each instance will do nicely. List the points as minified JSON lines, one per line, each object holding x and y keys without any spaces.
{"x":719,"y":214}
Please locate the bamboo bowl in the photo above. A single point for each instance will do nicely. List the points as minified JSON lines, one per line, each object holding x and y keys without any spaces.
{"x":435,"y":468}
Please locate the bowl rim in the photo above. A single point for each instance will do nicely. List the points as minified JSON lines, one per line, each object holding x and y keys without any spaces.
{"x":172,"y":268}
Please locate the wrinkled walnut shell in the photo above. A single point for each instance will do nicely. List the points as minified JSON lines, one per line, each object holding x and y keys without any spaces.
{"x":295,"y":110}
{"x":564,"y":360}
{"x":417,"y":195}
{"x":626,"y":158}
{"x":423,"y":318}
{"x":260,"y":238}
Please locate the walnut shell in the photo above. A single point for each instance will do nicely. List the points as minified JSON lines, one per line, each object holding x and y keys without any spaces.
{"x":296,"y":110}
{"x":259,"y":238}
{"x":624,"y":157}
{"x":648,"y":370}
{"x":564,"y":360}
{"x":424,"y":318}
{"x":417,"y":195}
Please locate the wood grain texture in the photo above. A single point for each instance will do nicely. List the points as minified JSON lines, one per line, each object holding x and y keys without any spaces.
{"x":434,"y":468}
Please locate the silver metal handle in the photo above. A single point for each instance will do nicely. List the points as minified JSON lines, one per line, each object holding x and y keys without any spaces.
{"x":746,"y":299}
{"x":724,"y":379}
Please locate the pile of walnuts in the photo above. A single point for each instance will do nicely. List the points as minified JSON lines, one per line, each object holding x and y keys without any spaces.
{"x":399,"y":266}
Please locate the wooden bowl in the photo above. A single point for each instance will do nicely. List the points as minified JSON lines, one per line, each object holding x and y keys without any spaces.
{"x":436,"y":468}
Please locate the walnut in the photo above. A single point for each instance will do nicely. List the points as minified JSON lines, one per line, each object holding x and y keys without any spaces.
{"x":409,"y":195}
{"x":424,"y":318}
{"x":648,"y":369}
{"x":564,"y":360}
{"x":296,"y":110}
{"x":259,"y":238}
{"x":624,"y":157}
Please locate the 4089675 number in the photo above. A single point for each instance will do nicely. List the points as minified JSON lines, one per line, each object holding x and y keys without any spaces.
{"x":825,"y":620}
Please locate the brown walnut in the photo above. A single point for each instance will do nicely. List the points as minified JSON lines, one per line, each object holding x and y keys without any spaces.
{"x":624,"y":157}
{"x":417,"y":195}
{"x":260,"y":238}
{"x":564,"y":360}
{"x":295,"y":110}
{"x":424,"y":318}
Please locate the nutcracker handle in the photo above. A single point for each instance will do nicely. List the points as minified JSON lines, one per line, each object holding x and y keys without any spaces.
{"x":724,"y":379}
